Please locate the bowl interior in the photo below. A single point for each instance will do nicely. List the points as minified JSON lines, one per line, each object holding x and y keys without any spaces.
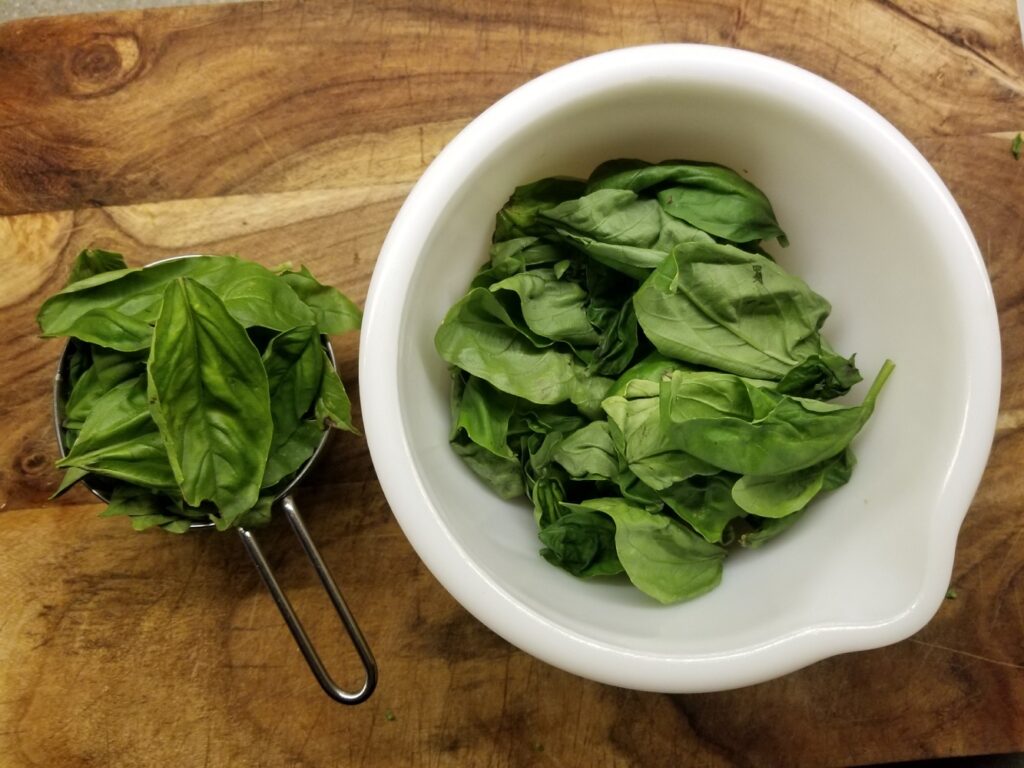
{"x":868,"y":231}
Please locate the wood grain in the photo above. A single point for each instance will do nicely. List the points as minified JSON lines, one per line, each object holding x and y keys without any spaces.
{"x":292,"y":131}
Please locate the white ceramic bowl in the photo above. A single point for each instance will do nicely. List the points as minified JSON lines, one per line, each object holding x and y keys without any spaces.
{"x":872,"y":228}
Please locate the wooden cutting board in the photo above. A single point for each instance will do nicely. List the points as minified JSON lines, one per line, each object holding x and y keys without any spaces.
{"x":292,"y":131}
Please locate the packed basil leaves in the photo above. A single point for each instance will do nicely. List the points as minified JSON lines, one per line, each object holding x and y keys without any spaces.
{"x":199,"y":387}
{"x":634,"y":362}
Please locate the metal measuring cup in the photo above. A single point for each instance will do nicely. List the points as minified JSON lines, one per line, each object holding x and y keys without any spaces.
{"x":291,"y":512}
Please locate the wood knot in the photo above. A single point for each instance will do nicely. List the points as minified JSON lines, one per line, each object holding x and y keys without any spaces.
{"x":102,"y":65}
{"x":34,"y":463}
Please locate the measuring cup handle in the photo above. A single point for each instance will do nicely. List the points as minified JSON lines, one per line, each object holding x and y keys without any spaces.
{"x":285,"y":607}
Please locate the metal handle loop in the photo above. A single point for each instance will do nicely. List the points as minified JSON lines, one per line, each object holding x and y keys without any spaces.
{"x":285,"y":607}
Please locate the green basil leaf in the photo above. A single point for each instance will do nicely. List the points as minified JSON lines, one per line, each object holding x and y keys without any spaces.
{"x":294,"y":362}
{"x":252,"y":294}
{"x":551,"y":307}
{"x":768,"y":529}
{"x":518,"y":217}
{"x":131,"y":292}
{"x":210,"y":399}
{"x":120,"y":440}
{"x":711,"y":197}
{"x":706,"y":503}
{"x":259,"y":515}
{"x":483,"y":413}
{"x":71,"y":476}
{"x":511,"y":257}
{"x":621,"y":230}
{"x":290,"y":451}
{"x":662,"y":557}
{"x":113,"y":330}
{"x":333,"y":407}
{"x":79,"y":362}
{"x":654,"y":367}
{"x":719,"y":306}
{"x":618,"y":344}
{"x":820,"y":376}
{"x":480,"y":337}
{"x":145,"y":509}
{"x":637,"y":493}
{"x":588,"y":453}
{"x":503,"y":474}
{"x":133,"y":501}
{"x":530,"y":417}
{"x":635,"y":425}
{"x":94,"y":261}
{"x":255,"y":296}
{"x":175,"y":526}
{"x":781,"y":495}
{"x":332,"y":310}
{"x":582,"y":542}
{"x":733,"y":424}
{"x":108,"y":369}
{"x":546,"y":489}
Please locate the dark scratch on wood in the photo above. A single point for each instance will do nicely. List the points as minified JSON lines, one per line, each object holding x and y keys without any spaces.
{"x":952,"y":37}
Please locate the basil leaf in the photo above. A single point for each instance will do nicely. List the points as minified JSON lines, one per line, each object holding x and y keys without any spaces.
{"x":782,"y":495}
{"x":79,"y":362}
{"x":71,"y":476}
{"x":131,"y":292}
{"x":253,"y":295}
{"x":480,"y":337}
{"x":552,"y":308}
{"x":209,"y":396}
{"x":722,"y":307}
{"x":259,"y":515}
{"x":635,"y":425}
{"x":589,"y":453}
{"x":705,"y":502}
{"x":654,"y":367}
{"x":94,"y":261}
{"x":146,"y":510}
{"x":518,"y":217}
{"x":112,"y":329}
{"x":820,"y":376}
{"x":768,"y":529}
{"x":294,"y":363}
{"x":618,"y":345}
{"x":711,"y":197}
{"x":290,"y":451}
{"x":119,"y":439}
{"x":503,"y":474}
{"x":583,"y":543}
{"x":333,"y":407}
{"x":662,"y":557}
{"x":333,"y":312}
{"x":545,"y":487}
{"x":620,"y":230}
{"x":742,"y":428}
{"x":511,"y":257}
{"x":108,"y":369}
{"x":483,"y":414}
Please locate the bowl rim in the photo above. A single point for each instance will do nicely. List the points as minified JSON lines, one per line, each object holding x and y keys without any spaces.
{"x":450,"y":563}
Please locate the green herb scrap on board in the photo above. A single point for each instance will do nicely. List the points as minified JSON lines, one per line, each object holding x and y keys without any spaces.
{"x":198,"y":387}
{"x":634,"y":362}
